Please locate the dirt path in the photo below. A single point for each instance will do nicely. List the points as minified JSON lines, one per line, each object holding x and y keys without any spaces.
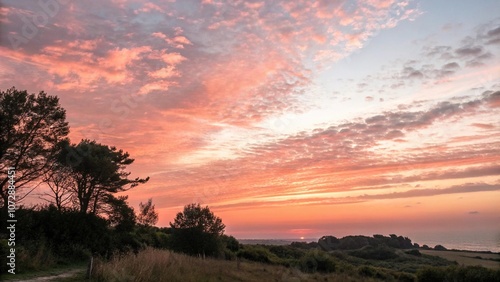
{"x":55,"y":277}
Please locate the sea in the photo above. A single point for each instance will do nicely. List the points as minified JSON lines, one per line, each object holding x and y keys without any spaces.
{"x":467,"y":241}
{"x":470,"y":241}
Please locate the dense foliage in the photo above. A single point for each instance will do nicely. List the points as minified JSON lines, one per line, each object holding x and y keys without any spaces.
{"x":31,"y":130}
{"x":197,"y":231}
{"x":96,"y":172}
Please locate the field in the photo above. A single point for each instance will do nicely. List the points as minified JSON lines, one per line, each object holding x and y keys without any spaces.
{"x":489,"y":260}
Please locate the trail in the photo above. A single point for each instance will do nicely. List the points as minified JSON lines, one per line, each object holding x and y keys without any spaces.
{"x":55,"y":277}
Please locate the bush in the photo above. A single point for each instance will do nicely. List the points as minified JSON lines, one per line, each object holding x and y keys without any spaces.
{"x":258,"y":254}
{"x":68,"y":234}
{"x":304,"y":245}
{"x":405,"y":277}
{"x":229,"y":255}
{"x":193,"y":241}
{"x":230,"y":243}
{"x":373,"y":272}
{"x":430,"y":274}
{"x":34,"y":257}
{"x":458,"y":273}
{"x":317,"y":261}
{"x":380,"y":252}
{"x":414,"y":252}
{"x":440,"y":248}
{"x":286,"y":252}
{"x":162,"y":240}
{"x":473,"y":273}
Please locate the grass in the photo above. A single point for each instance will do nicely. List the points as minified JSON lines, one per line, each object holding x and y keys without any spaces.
{"x":281,"y":263}
{"x":161,"y":265}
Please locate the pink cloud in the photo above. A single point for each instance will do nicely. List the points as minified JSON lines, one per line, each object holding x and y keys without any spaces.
{"x":149,"y":7}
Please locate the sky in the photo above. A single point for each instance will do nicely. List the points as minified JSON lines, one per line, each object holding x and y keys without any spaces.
{"x":288,"y":119}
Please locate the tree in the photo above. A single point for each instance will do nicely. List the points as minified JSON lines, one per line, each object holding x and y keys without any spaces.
{"x":197,"y":231}
{"x":97,"y":172}
{"x":32,"y":128}
{"x":195,"y":216}
{"x":147,"y":214}
{"x":59,"y":181}
{"x":120,"y":215}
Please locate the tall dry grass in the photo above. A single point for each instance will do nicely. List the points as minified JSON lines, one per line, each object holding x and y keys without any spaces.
{"x":161,"y":265}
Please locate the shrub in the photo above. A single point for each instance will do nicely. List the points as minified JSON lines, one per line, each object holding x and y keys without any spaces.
{"x":431,"y":274}
{"x":229,"y":255}
{"x":231,"y":243}
{"x":405,"y":277}
{"x":414,"y":252}
{"x":257,"y":253}
{"x":380,"y":252}
{"x":472,"y":273}
{"x":194,"y":241}
{"x":162,"y":240}
{"x":35,"y":257}
{"x":304,"y":245}
{"x":286,"y":252}
{"x":440,"y":248}
{"x":62,"y":230}
{"x":373,"y":272}
{"x":317,"y":261}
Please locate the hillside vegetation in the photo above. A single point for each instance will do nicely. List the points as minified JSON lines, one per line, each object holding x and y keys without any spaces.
{"x":294,"y":262}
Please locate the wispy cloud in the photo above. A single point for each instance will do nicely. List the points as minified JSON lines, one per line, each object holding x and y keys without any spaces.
{"x":466,"y":188}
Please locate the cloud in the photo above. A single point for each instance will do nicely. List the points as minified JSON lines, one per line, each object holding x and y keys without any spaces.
{"x":236,"y":63}
{"x":493,"y":99}
{"x":442,"y":52}
{"x":489,"y":33}
{"x":451,"y":66}
{"x":411,"y":73}
{"x":341,"y":158}
{"x":472,"y":52}
{"x":483,"y":125}
{"x":186,"y":87}
{"x":469,"y":51}
{"x":458,"y":189}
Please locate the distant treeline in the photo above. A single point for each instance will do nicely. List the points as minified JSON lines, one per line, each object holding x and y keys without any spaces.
{"x":330,"y":243}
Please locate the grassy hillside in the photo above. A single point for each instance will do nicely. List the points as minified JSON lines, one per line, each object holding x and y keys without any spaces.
{"x":161,"y":265}
{"x":288,"y":263}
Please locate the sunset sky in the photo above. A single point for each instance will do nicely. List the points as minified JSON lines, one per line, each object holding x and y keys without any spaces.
{"x":288,"y":119}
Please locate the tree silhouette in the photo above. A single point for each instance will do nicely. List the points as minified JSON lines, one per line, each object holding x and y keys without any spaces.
{"x":59,"y":181}
{"x":98,"y":171}
{"x":32,"y":128}
{"x":147,"y":215}
{"x":197,"y":231}
{"x":120,"y":215}
{"x":194,"y":216}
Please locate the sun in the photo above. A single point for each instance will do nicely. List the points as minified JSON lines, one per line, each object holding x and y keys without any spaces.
{"x":302,"y":238}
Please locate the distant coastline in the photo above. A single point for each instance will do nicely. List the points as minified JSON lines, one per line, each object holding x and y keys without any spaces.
{"x":465,"y":245}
